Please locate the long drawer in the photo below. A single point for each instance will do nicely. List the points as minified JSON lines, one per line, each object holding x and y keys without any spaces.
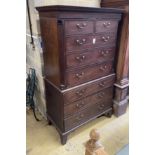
{"x":80,"y":76}
{"x":80,"y":42}
{"x":86,"y":114}
{"x":104,"y":95}
{"x":88,"y":89}
{"x":90,"y":56}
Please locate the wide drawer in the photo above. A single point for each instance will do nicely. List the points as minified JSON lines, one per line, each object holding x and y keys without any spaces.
{"x":86,"y":114}
{"x":80,"y":42}
{"x":106,"y":26}
{"x":78,"y":27}
{"x":90,"y":56}
{"x":90,"y":73}
{"x":104,"y":95}
{"x":88,"y":89}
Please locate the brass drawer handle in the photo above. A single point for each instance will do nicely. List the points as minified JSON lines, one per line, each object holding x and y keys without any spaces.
{"x":81,"y":42}
{"x":103,"y":68}
{"x":105,"y":39}
{"x":79,"y":105}
{"x":101,"y":95}
{"x":81,"y":26}
{"x":104,"y":53}
{"x":101,"y":107}
{"x":106,"y":24}
{"x":79,"y":118}
{"x":102,"y":84}
{"x":80,"y":58}
{"x":80,"y":92}
{"x":79,"y":75}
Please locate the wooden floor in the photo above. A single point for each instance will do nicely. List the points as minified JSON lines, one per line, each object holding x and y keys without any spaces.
{"x":43,"y":139}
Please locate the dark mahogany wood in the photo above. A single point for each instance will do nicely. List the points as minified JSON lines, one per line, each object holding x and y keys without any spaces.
{"x":87,"y":57}
{"x":88,"y":73}
{"x":79,"y":50}
{"x":55,"y":103}
{"x":54,"y":29}
{"x":75,"y":43}
{"x":79,"y":27}
{"x":63,"y":138}
{"x":75,"y":9}
{"x":88,"y":89}
{"x":106,"y":26}
{"x":74,"y":107}
{"x":86,"y":114}
{"x":106,"y":39}
{"x":50,"y":48}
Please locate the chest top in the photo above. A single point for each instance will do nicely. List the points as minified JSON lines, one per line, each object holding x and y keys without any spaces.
{"x":60,"y":11}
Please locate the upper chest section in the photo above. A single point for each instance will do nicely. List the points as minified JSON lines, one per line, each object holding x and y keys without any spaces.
{"x":82,"y":20}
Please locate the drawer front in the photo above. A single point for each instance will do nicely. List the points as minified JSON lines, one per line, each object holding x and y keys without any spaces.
{"x":86,"y":114}
{"x":78,"y":27}
{"x":106,"y":39}
{"x":90,"y":56}
{"x":82,"y":42}
{"x":104,"y":95}
{"x":90,"y":73}
{"x":106,"y":26}
{"x":88,"y":89}
{"x":79,"y":42}
{"x":103,"y":105}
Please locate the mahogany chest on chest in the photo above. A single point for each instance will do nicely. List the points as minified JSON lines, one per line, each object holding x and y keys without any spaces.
{"x":79,"y":50}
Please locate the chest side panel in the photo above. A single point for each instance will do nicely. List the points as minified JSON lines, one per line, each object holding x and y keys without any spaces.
{"x":49,"y":35}
{"x":54,"y":105}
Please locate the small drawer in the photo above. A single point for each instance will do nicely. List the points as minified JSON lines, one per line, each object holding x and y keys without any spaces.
{"x":79,"y":42}
{"x":80,"y":76}
{"x":72,"y":108}
{"x":78,"y":27}
{"x":86,"y":114}
{"x":89,"y":57}
{"x":106,"y":39}
{"x":106,"y":26}
{"x":88,"y":89}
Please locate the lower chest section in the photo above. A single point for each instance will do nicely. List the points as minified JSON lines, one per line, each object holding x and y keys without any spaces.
{"x":76,"y":106}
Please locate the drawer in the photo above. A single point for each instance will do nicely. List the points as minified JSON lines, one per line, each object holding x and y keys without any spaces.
{"x":106,"y":26}
{"x":90,"y":73}
{"x":75,"y":107}
{"x":90,"y":56}
{"x":86,"y":114}
{"x":106,"y":39}
{"x":78,"y":27}
{"x":88,"y":89}
{"x":81,"y":42}
{"x":103,"y":105}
